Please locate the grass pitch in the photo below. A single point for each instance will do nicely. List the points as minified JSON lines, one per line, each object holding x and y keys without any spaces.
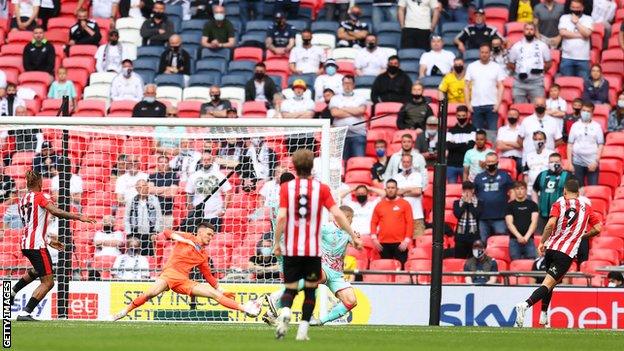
{"x":106,"y":336}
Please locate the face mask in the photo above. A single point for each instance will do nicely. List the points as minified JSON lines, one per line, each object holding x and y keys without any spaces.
{"x":577,"y":13}
{"x":462,"y":121}
{"x":371,"y":45}
{"x":417,"y":96}
{"x":620,"y":103}
{"x":10,"y":95}
{"x":133,"y":251}
{"x":458,"y":68}
{"x":158,"y":15}
{"x":348,"y":93}
{"x":393,"y":69}
{"x":538,"y":144}
{"x":478,"y":253}
{"x":585,"y":116}
{"x":206,"y":167}
{"x":554,"y":167}
{"x":215,"y":97}
{"x":492,"y":167}
{"x":175,"y":48}
{"x":247,"y":188}
{"x":113,"y":42}
{"x":529,"y":37}
{"x":611,"y":285}
{"x":127,"y":72}
{"x":265,"y":251}
{"x":258,"y":76}
{"x":361,"y":199}
{"x":107,"y":228}
{"x":330,"y":70}
{"x":496,"y":49}
{"x":307,"y":42}
{"x":540,"y":110}
{"x":219,"y":16}
{"x":354,"y":16}
{"x":149,"y":99}
{"x":512,"y":120}
{"x":431,"y":133}
{"x":576,"y":110}
{"x":381,"y":152}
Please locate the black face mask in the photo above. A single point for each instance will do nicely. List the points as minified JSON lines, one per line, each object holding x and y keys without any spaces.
{"x":577,"y":111}
{"x":512,"y":121}
{"x":259,"y":76}
{"x":529,"y":37}
{"x":113,"y":42}
{"x":577,"y":13}
{"x":393,"y":69}
{"x":158,"y":15}
{"x":361,"y":198}
{"x":496,"y":49}
{"x":540,"y":110}
{"x":248,"y":188}
{"x":492,"y":167}
{"x":307,"y":41}
{"x":10,"y":95}
{"x":458,"y":68}
{"x":215,"y":97}
{"x":417,"y":96}
{"x":107,"y":228}
{"x":371,"y":45}
{"x":175,"y":48}
{"x":462,"y":121}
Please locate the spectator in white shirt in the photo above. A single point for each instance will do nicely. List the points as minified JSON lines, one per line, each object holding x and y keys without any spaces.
{"x":410,"y":184}
{"x":539,"y":121}
{"x":407,"y":148}
{"x":131,"y":265}
{"x":127,"y":85}
{"x":537,"y":160}
{"x":363,"y":206}
{"x":347,"y":110}
{"x":585,"y":144}
{"x":438,"y":61}
{"x":370,"y":60}
{"x":269,"y":192}
{"x":575,"y":29}
{"x":25,"y":14}
{"x":418,"y":19}
{"x":108,"y":240}
{"x":103,"y":8}
{"x":603,"y":11}
{"x":143,"y":218}
{"x":109,"y":56}
{"x":555,"y":105}
{"x":185,"y":162}
{"x":507,"y":139}
{"x":75,"y":188}
{"x":126,"y":183}
{"x":306,"y":59}
{"x":3,"y":81}
{"x":298,"y":106}
{"x":330,"y":80}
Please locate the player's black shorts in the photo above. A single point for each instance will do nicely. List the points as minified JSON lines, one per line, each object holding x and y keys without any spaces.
{"x":557,"y":263}
{"x":40,"y":260}
{"x":296,"y":268}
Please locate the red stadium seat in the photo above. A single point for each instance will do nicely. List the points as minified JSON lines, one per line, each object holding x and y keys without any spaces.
{"x":122,"y":106}
{"x":453,"y":265}
{"x":104,"y":264}
{"x":80,"y":62}
{"x":520,"y":266}
{"x":615,"y":138}
{"x":57,"y":36}
{"x":420,"y":253}
{"x":612,"y":61}
{"x":499,"y":253}
{"x":189,"y":108}
{"x":610,"y":173}
{"x":255,"y":109}
{"x":82,"y":51}
{"x":248,"y":53}
{"x":23,"y":158}
{"x":610,"y":255}
{"x":598,"y":192}
{"x":514,"y":27}
{"x":346,"y":67}
{"x":93,"y":108}
{"x":391,"y":108}
{"x":423,"y":241}
{"x":360,"y":255}
{"x":501,"y":241}
{"x":590,"y":267}
{"x":509,"y":165}
{"x":62,"y":23}
{"x":419,"y":265}
{"x":571,"y":87}
{"x":12,"y":63}
{"x":12,"y":50}
{"x":613,"y":152}
{"x":382,"y":265}
{"x":386,"y":125}
{"x":360,"y":163}
{"x":20,"y":36}
{"x":609,"y":242}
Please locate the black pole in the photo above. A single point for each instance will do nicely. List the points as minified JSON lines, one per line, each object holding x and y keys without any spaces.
{"x":439,"y":195}
{"x":64,"y":233}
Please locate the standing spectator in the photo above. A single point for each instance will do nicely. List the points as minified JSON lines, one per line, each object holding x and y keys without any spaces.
{"x":480,"y":262}
{"x":263,"y":159}
{"x":571,"y":118}
{"x":537,"y":160}
{"x":109,"y":56}
{"x":546,"y":17}
{"x":603,"y":12}
{"x":522,"y":10}
{"x":411,"y":187}
{"x":370,"y":60}
{"x":127,"y":85}
{"x":454,"y":11}
{"x":492,"y":187}
{"x":352,"y":31}
{"x":45,"y":162}
{"x":555,"y":105}
{"x":437,"y":62}
{"x":25,"y":14}
{"x":330,"y":80}
{"x":328,"y":94}
{"x":143,"y":217}
{"x":219,"y":33}
{"x":347,"y":110}
{"x":363,"y":206}
{"x":585,"y":144}
{"x":264,"y":264}
{"x":473,"y":36}
{"x":185,"y":162}
{"x":394,"y":85}
{"x":587,"y":4}
{"x":474,"y":159}
{"x":269,"y":193}
{"x":596,"y":87}
{"x":62,"y":87}
{"x":175,"y":60}
{"x":575,"y":29}
{"x":453,"y":84}
{"x":85,"y":31}
{"x":467,"y":210}
{"x":379,"y":167}
{"x":139,"y":9}
{"x":542,"y":122}
{"x":216,"y":107}
{"x":413,"y":114}
{"x":107,"y":9}
{"x":616,"y":117}
{"x":507,"y":139}
{"x":125,"y":186}
{"x":131,"y":265}
{"x":484,"y":89}
{"x":336,"y":10}
{"x":306,"y":59}
{"x":459,"y":139}
{"x":164,"y":184}
{"x":39,"y":54}
{"x":528,"y":60}
{"x":419,"y":164}
{"x":75,"y":188}
{"x":280,"y":38}
{"x":249,"y":10}
{"x":107,"y":241}
{"x":149,"y":107}
{"x":157,"y":29}
{"x":7,"y":186}
{"x":427,"y":142}
{"x":521,"y":218}
{"x":384,"y":11}
{"x":417,"y":20}
{"x":500,"y":54}
{"x":261,"y":87}
{"x":288,"y":7}
{"x":548,"y":188}
{"x":392,"y":225}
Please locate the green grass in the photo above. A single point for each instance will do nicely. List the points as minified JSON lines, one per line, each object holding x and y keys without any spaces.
{"x":93,"y":336}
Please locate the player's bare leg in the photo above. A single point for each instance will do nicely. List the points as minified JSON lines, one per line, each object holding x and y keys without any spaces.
{"x":156,"y":289}
{"x":26,"y":279}
{"x":47,"y":283}
{"x":251,"y":308}
{"x":348,"y":301}
{"x":539,"y":294}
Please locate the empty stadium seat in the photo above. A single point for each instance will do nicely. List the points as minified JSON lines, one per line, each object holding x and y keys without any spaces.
{"x":606,"y":254}
{"x":189,"y":108}
{"x":197,"y":94}
{"x":453,"y":265}
{"x":248,"y":53}
{"x":172,"y":94}
{"x":359,"y":177}
{"x":254,"y":109}
{"x":175,"y":80}
{"x":205,"y":79}
{"x":93,"y":108}
{"x":382,"y":265}
{"x":520,"y":266}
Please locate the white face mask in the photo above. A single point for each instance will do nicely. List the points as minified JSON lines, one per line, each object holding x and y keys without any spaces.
{"x":611,"y":285}
{"x":478,"y":253}
{"x":585,"y":116}
{"x":620,"y":103}
{"x":219,"y":16}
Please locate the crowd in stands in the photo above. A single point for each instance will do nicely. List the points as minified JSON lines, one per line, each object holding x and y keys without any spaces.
{"x":534,"y":93}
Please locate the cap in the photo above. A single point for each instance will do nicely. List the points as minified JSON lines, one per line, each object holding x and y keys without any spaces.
{"x":330,"y":62}
{"x":46,"y":145}
{"x":299,"y":83}
{"x":481,"y":11}
{"x":231,"y":109}
{"x":478,"y":243}
{"x":432,"y":120}
{"x":279,"y":15}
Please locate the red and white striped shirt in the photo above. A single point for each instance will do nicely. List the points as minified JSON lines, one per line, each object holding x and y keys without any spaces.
{"x":32,"y":210}
{"x":574,"y":218}
{"x":304,"y":200}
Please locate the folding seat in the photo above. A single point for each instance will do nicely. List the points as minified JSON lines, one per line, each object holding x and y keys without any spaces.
{"x":424,"y":241}
{"x":150,"y":51}
{"x":613,"y":152}
{"x":205,"y":79}
{"x":12,"y":63}
{"x":453,"y":265}
{"x":432,"y":82}
{"x":571,"y":87}
{"x":219,"y":53}
{"x":360,"y":163}
{"x":121,"y":106}
{"x":609,"y":242}
{"x":12,"y":50}
{"x":615,"y":138}
{"x":358,"y":177}
{"x":591,"y":267}
{"x":189,"y":108}
{"x":173,"y":80}
{"x":62,"y":23}
{"x":22,"y":37}
{"x":254,"y":109}
{"x":610,"y":173}
{"x":169,"y":93}
{"x":423,"y":253}
{"x":235,"y":94}
{"x":197,"y":94}
{"x":525,"y":109}
{"x":388,"y":27}
{"x":617,"y":206}
{"x":129,"y":23}
{"x":497,"y":17}
{"x":382,"y":265}
{"x":514,"y":27}
{"x":57,"y":36}
{"x":101,"y":78}
{"x":248,"y":53}
{"x":520,"y":266}
{"x":605,"y":254}
{"x":130,"y":36}
{"x":346,"y":67}
{"x":383,"y":108}
{"x":258,"y":26}
{"x":82,"y":50}
{"x":329,"y":27}
{"x":343,"y":54}
{"x":97,"y":92}
{"x":599,"y":192}
{"x":241,"y":66}
{"x":499,"y":253}
{"x":364,"y":81}
{"x":93,"y":108}
{"x":193,"y":25}
{"x":496,"y":3}
{"x":104,"y":265}
{"x":386,"y":124}
{"x":24,"y":158}
{"x":498,"y":241}
{"x":205,"y":66}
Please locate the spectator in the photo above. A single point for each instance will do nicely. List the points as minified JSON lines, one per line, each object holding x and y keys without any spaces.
{"x":537,"y":160}
{"x":109,"y":56}
{"x":175,"y":60}
{"x":539,"y":121}
{"x":467,"y":210}
{"x":216,"y":107}
{"x":392,"y":225}
{"x":107,"y":9}
{"x":125,"y":186}
{"x":522,"y":10}
{"x":459,"y":139}
{"x":585,"y":144}
{"x":231,"y":113}
{"x":11,"y":218}
{"x":492,"y":187}
{"x":157,"y":29}
{"x":480,"y":262}
{"x":437,"y":62}
{"x":500,"y":55}
{"x":394,"y":85}
{"x":168,"y":138}
{"x":264,"y":264}
{"x":131,"y":265}
{"x":370,"y":60}
{"x":546,"y":16}
{"x":25,"y":14}
{"x":249,"y":10}
{"x":218,"y":33}
{"x":149,"y":107}
{"x":328,"y":94}
{"x":571,"y":118}
{"x":186,"y":161}
{"x":75,"y":188}
{"x":336,"y":10}
{"x":454,"y":11}
{"x":201,"y":184}
{"x":62,"y":87}
{"x":288,"y":7}
{"x":413,"y":114}
{"x":521,"y":218}
{"x":575,"y":29}
{"x":484,"y":89}
{"x":164,"y":184}
{"x":261,"y":87}
{"x":269,"y":192}
{"x":306,"y":59}
{"x":528,"y":60}
{"x":454,"y":83}
{"x":127,"y":85}
{"x":363,"y":206}
{"x":548,"y":187}
{"x":7,"y":186}
{"x":85,"y":31}
{"x":143,"y":218}
{"x":474,"y":159}
{"x":45,"y":162}
{"x":348,"y":110}
{"x":280,"y":38}
{"x":352,"y":32}
{"x":616,"y":117}
{"x":427,"y":142}
{"x":262,"y":158}
{"x":330,"y":80}
{"x":230,"y":152}
{"x":107,"y":241}
{"x":298,"y":106}
{"x":417,"y":20}
{"x":596,"y":88}
{"x":9,"y":101}
{"x":603,"y":11}
{"x":139,"y":9}
{"x":555,"y":105}
{"x":616,"y":280}
{"x":587,"y":4}
{"x":473,"y":36}
{"x":411,"y":187}
{"x":507,"y":139}
{"x":384,"y":11}
{"x":379,"y":167}
{"x":39,"y":55}
{"x":418,"y":161}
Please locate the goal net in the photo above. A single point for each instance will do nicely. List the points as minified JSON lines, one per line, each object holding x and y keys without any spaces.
{"x":137,"y":177}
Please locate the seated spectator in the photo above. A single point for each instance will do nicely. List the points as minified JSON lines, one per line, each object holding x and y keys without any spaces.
{"x":521,"y":219}
{"x":85,"y":31}
{"x":585,"y":144}
{"x":328,"y":94}
{"x":9,"y":101}
{"x":275,"y":111}
{"x":298,"y":106}
{"x":555,"y":105}
{"x":407,"y":148}
{"x":264,"y":264}
{"x":131,"y":265}
{"x":596,"y":88}
{"x":262,"y":157}
{"x":546,"y":17}
{"x":616,"y":280}
{"x":39,"y":54}
{"x":370,"y":59}
{"x":480,"y":262}
{"x":474,"y":159}
{"x":185,"y":162}
{"x":62,"y":87}
{"x":337,"y":10}
{"x":522,"y":10}
{"x":144,"y":217}
{"x":571,"y":118}
{"x":217,"y":107}
{"x":453,"y":84}
{"x":451,"y":11}
{"x":379,"y":167}
{"x":536,"y":161}
{"x":507,"y":139}
{"x":125,"y":186}
{"x":231,"y":113}
{"x":75,"y":188}
{"x":410,"y":187}
{"x":616,"y":117}
{"x":476,"y":34}
{"x":427,"y":142}
{"x":413,"y":114}
{"x":492,"y":187}
{"x":280,"y":38}
{"x":363,"y":206}
{"x":261,"y":87}
{"x":575,"y":29}
{"x":230,"y":152}
{"x":394,"y":85}
{"x":467,"y":210}
{"x":331,"y":79}
{"x":164,"y":184}
{"x":459,"y":139}
{"x":109,"y":56}
{"x":157,"y":29}
{"x":347,"y":110}
{"x":437,"y":62}
{"x":306,"y":59}
{"x":46,"y":161}
{"x":352,"y":31}
{"x":127,"y":85}
{"x":25,"y":14}
{"x":108,"y":240}
{"x":528,"y":59}
{"x":219,"y":32}
{"x":107,"y":9}
{"x":175,"y":60}
{"x":7,"y":186}
{"x":542,"y":122}
{"x":149,"y":106}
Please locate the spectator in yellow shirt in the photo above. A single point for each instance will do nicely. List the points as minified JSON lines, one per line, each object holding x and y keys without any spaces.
{"x":522,"y":10}
{"x":350,"y":264}
{"x":453,"y":83}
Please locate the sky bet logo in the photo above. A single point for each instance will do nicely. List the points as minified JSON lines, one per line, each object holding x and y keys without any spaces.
{"x":6,"y":314}
{"x":450,"y":313}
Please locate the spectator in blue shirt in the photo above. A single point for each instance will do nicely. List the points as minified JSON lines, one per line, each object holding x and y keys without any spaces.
{"x":280,"y":37}
{"x":491,"y":188}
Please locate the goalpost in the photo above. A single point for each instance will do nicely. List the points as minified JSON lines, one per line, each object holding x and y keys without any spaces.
{"x":178,"y":158}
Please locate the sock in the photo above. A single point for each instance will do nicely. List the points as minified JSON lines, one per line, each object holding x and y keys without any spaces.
{"x":287,"y":297}
{"x":137,"y":302}
{"x":301,"y":285}
{"x":537,"y":295}
{"x":277,"y":296}
{"x":303,"y":328}
{"x":19,"y":286}
{"x":32,"y":303}
{"x":338,"y":311}
{"x":308,"y":303}
{"x":229,"y":303}
{"x":546,"y":301}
